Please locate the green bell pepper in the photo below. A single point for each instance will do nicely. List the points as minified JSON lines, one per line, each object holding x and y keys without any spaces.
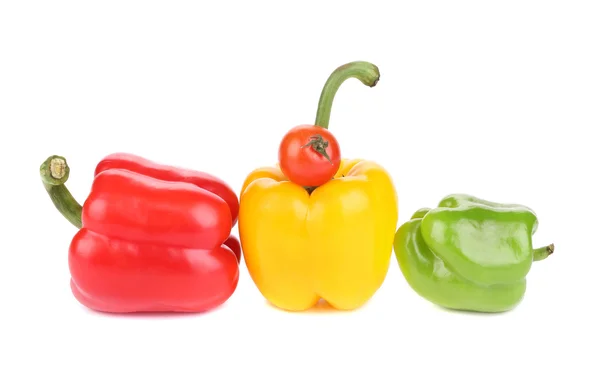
{"x":468,"y":253}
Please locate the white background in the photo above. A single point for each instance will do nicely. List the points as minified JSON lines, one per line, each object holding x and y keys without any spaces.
{"x":499,"y":99}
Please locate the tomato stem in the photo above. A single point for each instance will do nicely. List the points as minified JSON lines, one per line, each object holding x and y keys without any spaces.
{"x":54,"y":173}
{"x":366,"y":72}
{"x":319,"y":145}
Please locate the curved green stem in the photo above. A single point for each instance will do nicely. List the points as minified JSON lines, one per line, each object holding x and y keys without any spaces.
{"x":366,"y":72}
{"x":55,"y":172}
{"x":542,"y":253}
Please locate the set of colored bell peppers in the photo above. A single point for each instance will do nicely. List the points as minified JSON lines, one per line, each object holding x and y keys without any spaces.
{"x":316,"y":226}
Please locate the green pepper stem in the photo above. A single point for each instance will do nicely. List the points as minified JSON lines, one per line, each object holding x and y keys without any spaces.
{"x":366,"y":72}
{"x":54,"y":173}
{"x":542,"y":253}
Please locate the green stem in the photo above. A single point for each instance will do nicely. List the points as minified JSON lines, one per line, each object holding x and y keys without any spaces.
{"x":542,"y":253}
{"x":55,"y":172}
{"x":319,"y":145}
{"x":366,"y":72}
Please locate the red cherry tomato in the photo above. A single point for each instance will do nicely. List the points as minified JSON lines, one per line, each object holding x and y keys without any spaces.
{"x":234,"y":244}
{"x":309,"y":155}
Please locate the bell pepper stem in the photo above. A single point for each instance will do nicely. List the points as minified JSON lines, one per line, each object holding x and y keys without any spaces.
{"x":366,"y":72}
{"x":54,"y":173}
{"x":542,"y":253}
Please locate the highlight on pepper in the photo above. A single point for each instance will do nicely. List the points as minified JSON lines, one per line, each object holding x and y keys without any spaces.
{"x":469,"y":254}
{"x":319,"y":227}
{"x":151,"y":237}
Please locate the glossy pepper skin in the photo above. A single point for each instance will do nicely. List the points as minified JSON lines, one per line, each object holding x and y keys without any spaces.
{"x":333,"y":242}
{"x":164,"y":172}
{"x":469,"y":253}
{"x":146,"y":243}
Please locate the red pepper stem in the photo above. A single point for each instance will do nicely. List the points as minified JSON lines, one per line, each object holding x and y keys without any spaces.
{"x":542,"y":253}
{"x":366,"y":72}
{"x":54,"y":173}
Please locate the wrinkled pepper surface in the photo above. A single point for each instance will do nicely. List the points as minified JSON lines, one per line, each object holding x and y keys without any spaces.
{"x":469,"y":254}
{"x":151,"y":238}
{"x":333,"y":242}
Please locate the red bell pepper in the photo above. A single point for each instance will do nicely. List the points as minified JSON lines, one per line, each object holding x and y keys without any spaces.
{"x":151,"y":237}
{"x":169,"y":173}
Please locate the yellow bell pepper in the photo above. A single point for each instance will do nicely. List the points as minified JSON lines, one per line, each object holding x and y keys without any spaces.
{"x":332,"y":243}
